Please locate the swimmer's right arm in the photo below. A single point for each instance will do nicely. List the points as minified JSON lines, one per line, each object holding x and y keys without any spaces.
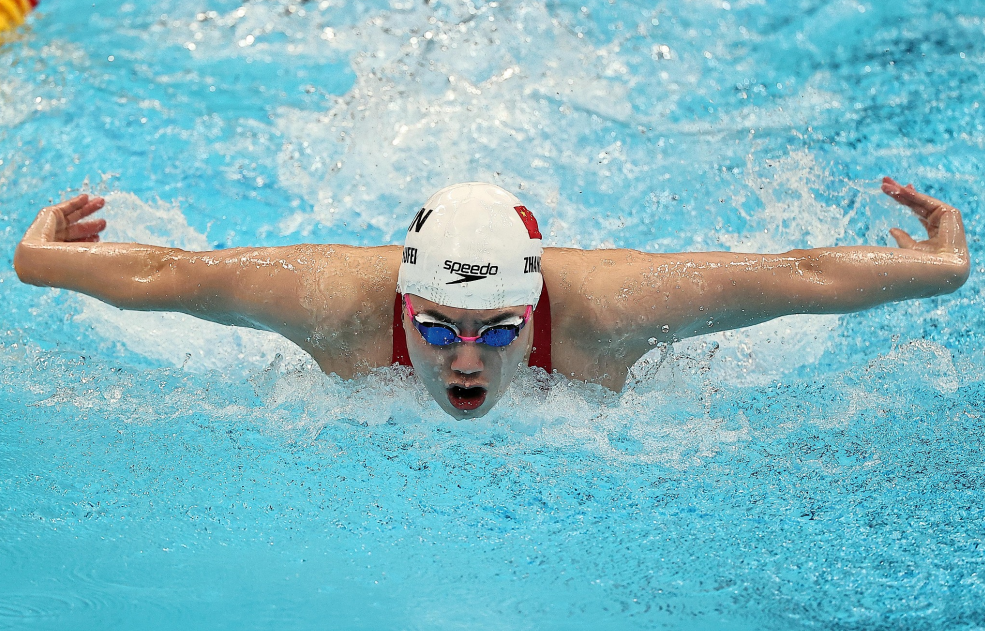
{"x":256,"y":288}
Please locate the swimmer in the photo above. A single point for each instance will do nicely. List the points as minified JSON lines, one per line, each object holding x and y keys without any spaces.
{"x":472,"y":295}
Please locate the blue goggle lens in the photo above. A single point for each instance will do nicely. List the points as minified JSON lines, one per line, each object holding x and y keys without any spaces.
{"x":499,"y":335}
{"x":440,"y":335}
{"x":436,"y":334}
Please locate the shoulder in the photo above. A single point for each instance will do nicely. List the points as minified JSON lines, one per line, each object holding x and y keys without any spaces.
{"x":347,"y":295}
{"x":344,"y":282}
{"x":593,"y":279}
{"x":601,"y":300}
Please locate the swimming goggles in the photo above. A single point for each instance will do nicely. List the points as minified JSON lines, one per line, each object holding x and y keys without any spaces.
{"x":441,"y":334}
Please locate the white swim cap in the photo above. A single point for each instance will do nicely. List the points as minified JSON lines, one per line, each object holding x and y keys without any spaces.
{"x":473,"y":246}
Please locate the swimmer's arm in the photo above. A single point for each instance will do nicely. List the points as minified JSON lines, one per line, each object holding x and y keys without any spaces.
{"x":740,"y":290}
{"x":635,"y":298}
{"x":256,"y":288}
{"x":734,"y":291}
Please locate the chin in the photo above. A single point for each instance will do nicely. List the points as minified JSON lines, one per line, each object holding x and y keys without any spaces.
{"x":466,"y":416}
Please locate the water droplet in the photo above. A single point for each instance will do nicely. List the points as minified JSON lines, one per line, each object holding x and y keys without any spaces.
{"x":652,"y":341}
{"x":665,"y":328}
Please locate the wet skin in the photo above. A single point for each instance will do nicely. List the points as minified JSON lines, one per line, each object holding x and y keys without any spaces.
{"x":608,"y":307}
{"x":466,"y":379}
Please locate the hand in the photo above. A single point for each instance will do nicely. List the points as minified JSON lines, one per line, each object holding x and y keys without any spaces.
{"x":63,"y":222}
{"x":945,"y":231}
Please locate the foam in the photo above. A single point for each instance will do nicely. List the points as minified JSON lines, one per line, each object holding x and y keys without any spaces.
{"x":502,"y":103}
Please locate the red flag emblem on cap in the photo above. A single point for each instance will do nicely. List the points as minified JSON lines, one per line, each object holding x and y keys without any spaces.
{"x":529,"y":221}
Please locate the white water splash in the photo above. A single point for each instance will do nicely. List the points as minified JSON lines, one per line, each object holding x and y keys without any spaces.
{"x":438,"y":89}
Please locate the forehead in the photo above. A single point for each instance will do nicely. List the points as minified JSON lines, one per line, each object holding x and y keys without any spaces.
{"x":471,"y":316}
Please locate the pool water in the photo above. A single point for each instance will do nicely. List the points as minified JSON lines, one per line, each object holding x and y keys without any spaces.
{"x":816,"y":472}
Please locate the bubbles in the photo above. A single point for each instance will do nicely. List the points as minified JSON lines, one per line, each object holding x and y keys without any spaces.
{"x":927,"y":363}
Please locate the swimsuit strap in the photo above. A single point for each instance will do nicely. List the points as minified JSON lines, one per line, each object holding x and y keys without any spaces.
{"x":540,"y":356}
{"x":400,"y":355}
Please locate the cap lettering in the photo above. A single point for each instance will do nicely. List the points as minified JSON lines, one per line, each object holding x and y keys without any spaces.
{"x":531,"y":264}
{"x":418,"y":221}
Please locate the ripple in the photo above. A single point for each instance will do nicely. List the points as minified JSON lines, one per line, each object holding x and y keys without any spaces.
{"x":16,"y":609}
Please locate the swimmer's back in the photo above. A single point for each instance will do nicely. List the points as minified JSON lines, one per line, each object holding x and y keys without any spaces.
{"x":336,"y":303}
{"x":344,"y":307}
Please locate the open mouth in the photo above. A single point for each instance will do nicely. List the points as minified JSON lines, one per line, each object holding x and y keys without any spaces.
{"x":466,"y":398}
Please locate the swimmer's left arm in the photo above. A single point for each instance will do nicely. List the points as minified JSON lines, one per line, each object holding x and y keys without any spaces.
{"x":746,"y":289}
{"x":635,"y":298}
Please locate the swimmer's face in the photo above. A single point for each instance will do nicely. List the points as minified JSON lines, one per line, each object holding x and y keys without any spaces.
{"x":466,"y":379}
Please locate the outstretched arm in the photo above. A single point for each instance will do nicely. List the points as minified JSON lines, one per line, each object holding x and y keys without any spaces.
{"x":747,"y":289}
{"x":264,"y":288}
{"x":635,"y":298}
{"x":62,"y":249}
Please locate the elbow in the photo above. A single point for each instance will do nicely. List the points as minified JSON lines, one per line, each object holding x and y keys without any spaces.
{"x":956,"y":273}
{"x":152,"y":286}
{"x":25,"y":265}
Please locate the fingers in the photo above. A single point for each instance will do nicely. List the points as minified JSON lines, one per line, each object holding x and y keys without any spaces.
{"x":84,"y":231}
{"x":71,"y":205}
{"x":60,"y":222}
{"x":79,"y":207}
{"x":903,"y":239}
{"x":922,"y":205}
{"x":83,"y":208}
{"x":945,"y":229}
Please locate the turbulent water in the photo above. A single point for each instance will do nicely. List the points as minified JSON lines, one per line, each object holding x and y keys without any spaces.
{"x":813,"y":472}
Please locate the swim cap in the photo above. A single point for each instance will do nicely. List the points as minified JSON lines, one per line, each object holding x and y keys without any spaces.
{"x":473,"y":246}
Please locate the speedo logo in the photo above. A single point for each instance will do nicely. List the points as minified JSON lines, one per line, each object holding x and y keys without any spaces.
{"x":470,"y":272}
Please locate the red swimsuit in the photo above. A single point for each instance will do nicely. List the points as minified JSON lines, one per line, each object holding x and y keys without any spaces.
{"x":540,"y":356}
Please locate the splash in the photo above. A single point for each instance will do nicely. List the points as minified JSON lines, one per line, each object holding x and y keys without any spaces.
{"x":787,"y":212}
{"x":466,"y":104}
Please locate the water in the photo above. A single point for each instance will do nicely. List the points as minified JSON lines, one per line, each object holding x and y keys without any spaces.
{"x":814,"y":472}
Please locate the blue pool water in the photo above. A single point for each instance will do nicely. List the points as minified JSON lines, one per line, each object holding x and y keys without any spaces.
{"x":817,"y":472}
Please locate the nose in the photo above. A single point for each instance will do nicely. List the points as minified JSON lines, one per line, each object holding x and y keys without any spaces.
{"x":468,"y":359}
